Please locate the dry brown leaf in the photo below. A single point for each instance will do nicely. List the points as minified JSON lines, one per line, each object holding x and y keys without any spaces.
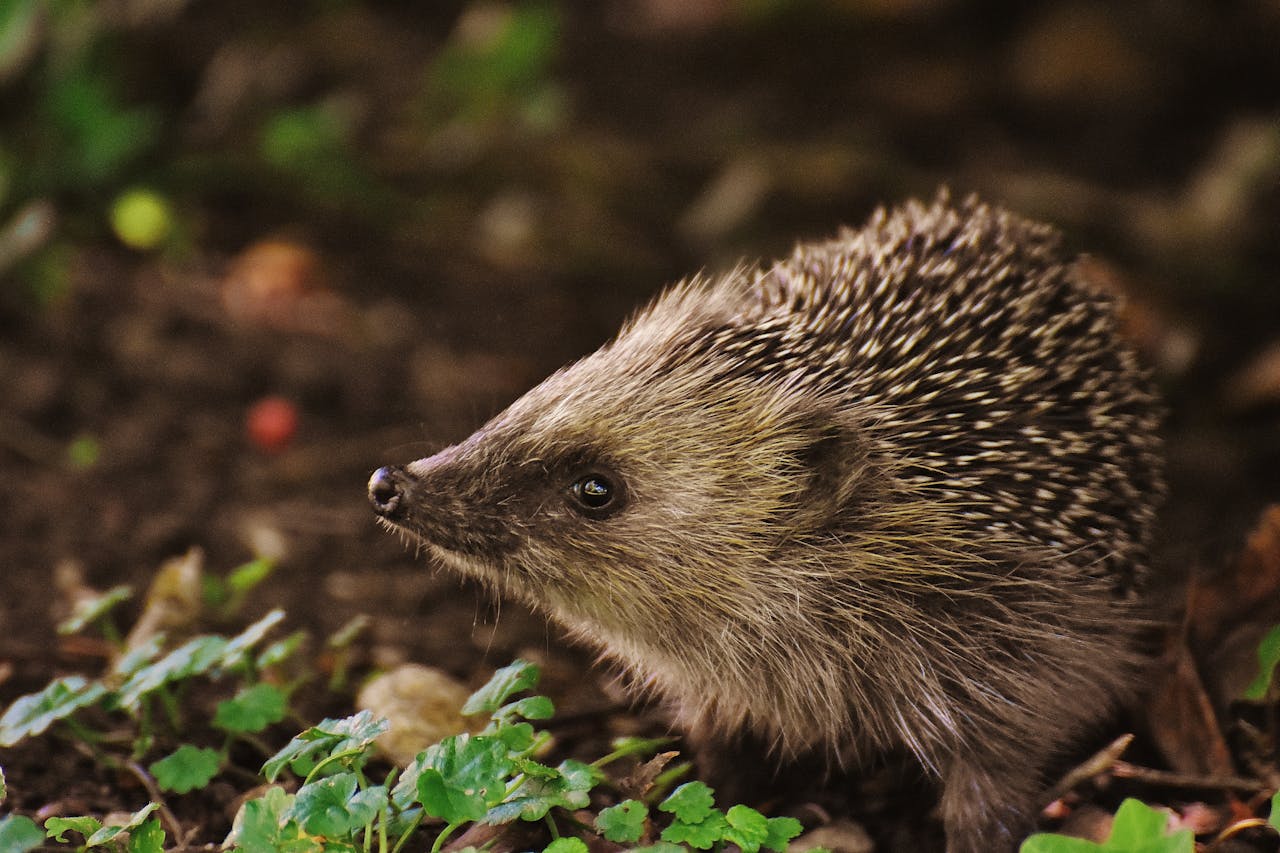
{"x":1164,"y":340}
{"x":637,"y":784}
{"x":174,"y":601}
{"x":1181,"y":716}
{"x":280,"y":284}
{"x":1257,"y":383}
{"x":1247,"y":590}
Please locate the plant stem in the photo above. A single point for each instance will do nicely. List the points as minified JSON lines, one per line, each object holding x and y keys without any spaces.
{"x":417,"y":821}
{"x":111,"y":633}
{"x":444,"y":835}
{"x":337,"y":756}
{"x":88,"y":736}
{"x":169,"y":701}
{"x":167,"y":817}
{"x":633,"y":747}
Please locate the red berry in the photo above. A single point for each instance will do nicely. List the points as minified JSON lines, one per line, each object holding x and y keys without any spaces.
{"x":271,"y":423}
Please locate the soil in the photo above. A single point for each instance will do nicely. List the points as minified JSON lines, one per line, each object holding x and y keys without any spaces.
{"x":687,"y":140}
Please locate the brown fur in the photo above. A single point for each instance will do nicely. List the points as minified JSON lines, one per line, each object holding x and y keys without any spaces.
{"x":895,"y":491}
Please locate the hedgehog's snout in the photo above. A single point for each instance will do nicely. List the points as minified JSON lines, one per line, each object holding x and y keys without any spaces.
{"x":387,"y":492}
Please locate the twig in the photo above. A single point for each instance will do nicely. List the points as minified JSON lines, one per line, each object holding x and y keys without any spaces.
{"x":1097,"y":764}
{"x":1171,"y":779}
{"x":153,"y":791}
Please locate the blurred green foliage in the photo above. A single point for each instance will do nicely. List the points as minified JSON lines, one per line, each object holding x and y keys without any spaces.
{"x":498,"y":65}
{"x":69,"y":134}
{"x":106,"y":132}
{"x":313,"y":146}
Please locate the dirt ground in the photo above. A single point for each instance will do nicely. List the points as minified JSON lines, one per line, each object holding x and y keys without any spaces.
{"x":685,"y":139}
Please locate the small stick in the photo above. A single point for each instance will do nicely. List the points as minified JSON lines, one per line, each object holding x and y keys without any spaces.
{"x":1171,"y":779}
{"x":1095,"y":765}
{"x":153,"y":791}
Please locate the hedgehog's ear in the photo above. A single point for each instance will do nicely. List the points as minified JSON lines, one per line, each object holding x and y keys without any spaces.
{"x":834,"y":470}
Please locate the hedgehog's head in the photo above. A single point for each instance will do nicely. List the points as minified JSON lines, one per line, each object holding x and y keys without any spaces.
{"x":660,"y":477}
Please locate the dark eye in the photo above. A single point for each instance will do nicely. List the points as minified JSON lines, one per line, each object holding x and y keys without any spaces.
{"x":594,"y":494}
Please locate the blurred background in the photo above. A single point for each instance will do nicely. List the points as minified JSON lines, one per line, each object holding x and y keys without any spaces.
{"x":251,"y":251}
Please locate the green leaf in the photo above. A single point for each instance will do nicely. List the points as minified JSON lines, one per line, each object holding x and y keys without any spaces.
{"x":280,"y":650}
{"x":138,"y":657}
{"x":579,"y":778}
{"x":531,"y":707}
{"x":90,"y":610}
{"x":244,"y":578}
{"x":239,"y":645}
{"x":477,"y":78}
{"x":268,"y":825}
{"x":462,"y":777}
{"x":186,"y":769}
{"x":690,"y":803}
{"x":100,"y":137}
{"x":518,"y":737}
{"x":701,"y":835}
{"x":349,"y":632}
{"x":252,"y":709}
{"x":747,"y":828}
{"x":544,"y":788}
{"x":534,"y":708}
{"x":661,"y":847}
{"x":195,"y":657}
{"x":56,"y":827}
{"x":534,"y":769}
{"x":511,"y":679}
{"x":1268,"y":658}
{"x":1137,"y":828}
{"x":333,"y":807}
{"x":262,"y":826}
{"x":405,"y":794}
{"x":566,"y":845}
{"x":108,"y":834}
{"x":623,"y":822}
{"x":351,"y":734}
{"x":295,"y":138}
{"x":1137,"y":825}
{"x":1044,"y":842}
{"x":450,"y":804}
{"x":19,"y":833}
{"x":32,"y":714}
{"x":147,"y":838}
{"x":312,"y":144}
{"x":96,"y":835}
{"x":1273,"y":818}
{"x":781,"y":831}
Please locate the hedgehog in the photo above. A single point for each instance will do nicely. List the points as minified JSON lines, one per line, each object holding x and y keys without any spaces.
{"x":892,"y":494}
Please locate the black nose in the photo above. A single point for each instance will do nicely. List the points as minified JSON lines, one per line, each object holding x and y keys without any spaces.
{"x":386,"y":492}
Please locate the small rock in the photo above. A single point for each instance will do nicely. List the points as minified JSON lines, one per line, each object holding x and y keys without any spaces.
{"x":842,"y":836}
{"x":423,"y":704}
